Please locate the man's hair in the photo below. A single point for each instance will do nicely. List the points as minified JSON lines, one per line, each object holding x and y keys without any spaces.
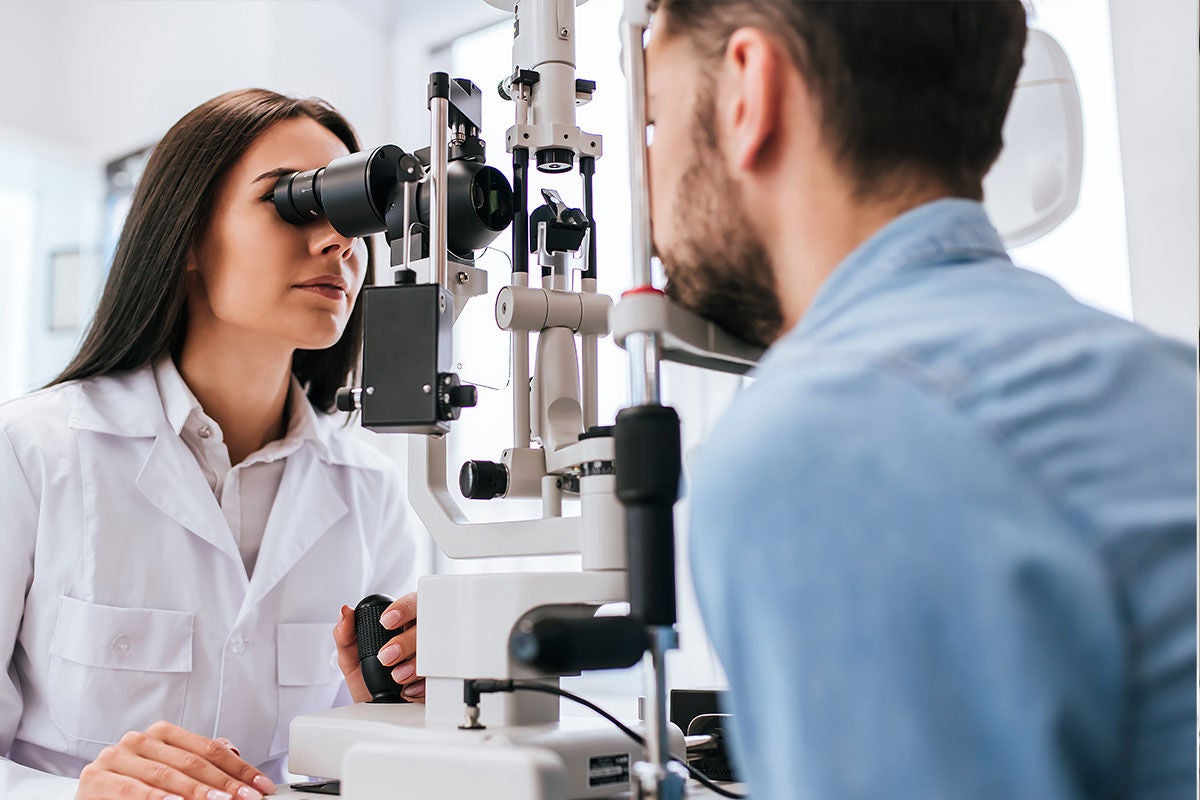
{"x":907,"y":91}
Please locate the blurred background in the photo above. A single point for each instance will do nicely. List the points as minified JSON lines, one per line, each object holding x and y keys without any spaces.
{"x":88,"y":86}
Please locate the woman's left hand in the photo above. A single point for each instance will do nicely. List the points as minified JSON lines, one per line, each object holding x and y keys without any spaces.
{"x":399,"y":653}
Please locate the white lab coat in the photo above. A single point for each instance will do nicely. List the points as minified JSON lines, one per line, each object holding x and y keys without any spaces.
{"x":124,"y":599}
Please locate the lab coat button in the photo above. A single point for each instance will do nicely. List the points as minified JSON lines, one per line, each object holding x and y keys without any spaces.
{"x":122,"y":645}
{"x":204,"y":431}
{"x":239,"y":645}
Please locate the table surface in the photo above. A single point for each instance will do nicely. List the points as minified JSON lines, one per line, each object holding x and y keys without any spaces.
{"x":694,"y":790}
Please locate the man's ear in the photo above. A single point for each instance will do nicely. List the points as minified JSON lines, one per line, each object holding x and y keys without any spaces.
{"x":752,"y":76}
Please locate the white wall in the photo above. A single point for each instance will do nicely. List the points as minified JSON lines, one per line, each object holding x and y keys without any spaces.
{"x":111,"y":75}
{"x":31,"y":69}
{"x":1156,"y":63}
{"x":85,"y":81}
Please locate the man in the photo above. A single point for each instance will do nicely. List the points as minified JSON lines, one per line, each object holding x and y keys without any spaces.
{"x":945,"y":543}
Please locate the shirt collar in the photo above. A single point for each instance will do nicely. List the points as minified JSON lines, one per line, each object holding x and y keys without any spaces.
{"x":302,"y":424}
{"x":181,"y":406}
{"x":116,"y":404}
{"x":177,"y":399}
{"x":940,"y":232}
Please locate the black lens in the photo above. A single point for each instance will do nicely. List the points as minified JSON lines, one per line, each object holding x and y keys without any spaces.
{"x":355,"y":190}
{"x":555,"y":159}
{"x":298,"y":196}
{"x":352,"y":192}
{"x":479,"y":204}
{"x":493,"y":198}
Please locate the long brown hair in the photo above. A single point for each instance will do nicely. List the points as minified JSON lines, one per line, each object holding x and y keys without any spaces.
{"x":142,"y":314}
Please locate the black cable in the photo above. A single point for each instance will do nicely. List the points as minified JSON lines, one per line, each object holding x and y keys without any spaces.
{"x":487,"y":686}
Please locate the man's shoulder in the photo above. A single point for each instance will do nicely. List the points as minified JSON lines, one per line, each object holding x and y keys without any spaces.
{"x":1033,"y":404}
{"x":826,"y":416}
{"x":985,"y":334}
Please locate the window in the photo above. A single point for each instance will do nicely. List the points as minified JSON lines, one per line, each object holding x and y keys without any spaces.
{"x":49,"y":205}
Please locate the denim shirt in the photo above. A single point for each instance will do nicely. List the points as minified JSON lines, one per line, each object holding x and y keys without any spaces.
{"x":945,"y":543}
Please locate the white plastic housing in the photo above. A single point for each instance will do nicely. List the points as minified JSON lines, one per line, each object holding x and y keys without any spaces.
{"x":557,"y":406}
{"x":524,"y":309}
{"x":1035,"y":182}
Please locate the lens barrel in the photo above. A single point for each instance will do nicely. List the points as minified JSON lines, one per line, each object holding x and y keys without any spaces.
{"x":298,"y":196}
{"x":354,"y":192}
{"x":479,"y":203}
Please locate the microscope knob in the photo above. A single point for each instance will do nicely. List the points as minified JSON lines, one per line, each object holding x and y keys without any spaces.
{"x":464,"y":396}
{"x":566,"y":646}
{"x":372,"y":636}
{"x":453,"y":396}
{"x":348,"y":398}
{"x":483,"y":480}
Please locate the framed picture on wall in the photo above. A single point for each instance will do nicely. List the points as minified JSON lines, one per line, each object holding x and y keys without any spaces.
{"x":70,"y":288}
{"x":121,"y":176}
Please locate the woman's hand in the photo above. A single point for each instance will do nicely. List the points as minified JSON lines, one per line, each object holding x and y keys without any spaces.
{"x":168,"y":763}
{"x":400,"y":652}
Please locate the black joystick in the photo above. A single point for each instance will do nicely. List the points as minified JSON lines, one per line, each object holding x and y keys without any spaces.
{"x":372,"y":637}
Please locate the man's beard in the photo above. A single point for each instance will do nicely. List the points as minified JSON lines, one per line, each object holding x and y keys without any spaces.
{"x":717,"y":267}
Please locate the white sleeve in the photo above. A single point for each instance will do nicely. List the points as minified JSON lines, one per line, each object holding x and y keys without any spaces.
{"x":18,"y":531}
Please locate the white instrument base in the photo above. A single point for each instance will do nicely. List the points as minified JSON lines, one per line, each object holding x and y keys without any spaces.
{"x":383,"y":751}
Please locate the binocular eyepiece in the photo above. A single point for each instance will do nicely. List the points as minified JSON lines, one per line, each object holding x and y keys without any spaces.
{"x":359,"y":193}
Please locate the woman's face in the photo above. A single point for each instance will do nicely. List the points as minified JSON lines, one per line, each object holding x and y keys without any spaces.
{"x":293,"y":285}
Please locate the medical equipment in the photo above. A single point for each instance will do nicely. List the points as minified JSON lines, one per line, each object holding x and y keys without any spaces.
{"x":371,"y":637}
{"x":1034,"y":185}
{"x":493,"y":646}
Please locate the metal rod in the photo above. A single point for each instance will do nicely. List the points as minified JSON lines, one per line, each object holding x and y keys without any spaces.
{"x":635,"y":73}
{"x":591,"y":414}
{"x":520,"y":344}
{"x":440,"y":108}
{"x":658,"y":745}
{"x":590,"y":369}
{"x":644,"y":379}
{"x":587,"y":168}
{"x":407,"y":224}
{"x":520,"y":230}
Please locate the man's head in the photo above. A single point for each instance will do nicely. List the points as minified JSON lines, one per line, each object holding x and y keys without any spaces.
{"x":786,"y":131}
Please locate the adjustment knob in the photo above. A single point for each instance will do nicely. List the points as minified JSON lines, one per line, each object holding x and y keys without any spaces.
{"x":464,"y":396}
{"x":555,"y":159}
{"x":349,"y":398}
{"x":453,"y":396}
{"x":409,"y":168}
{"x":483,"y":480}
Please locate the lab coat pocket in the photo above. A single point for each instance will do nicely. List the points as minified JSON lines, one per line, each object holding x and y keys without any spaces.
{"x":309,"y":677}
{"x":115,"y":670}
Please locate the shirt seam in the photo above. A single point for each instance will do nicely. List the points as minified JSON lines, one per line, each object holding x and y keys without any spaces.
{"x":33,"y":501}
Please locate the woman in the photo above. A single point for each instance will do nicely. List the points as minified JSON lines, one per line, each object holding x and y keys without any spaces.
{"x":182,"y":515}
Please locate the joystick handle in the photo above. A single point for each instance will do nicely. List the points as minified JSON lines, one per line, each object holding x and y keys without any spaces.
{"x":372,"y":636}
